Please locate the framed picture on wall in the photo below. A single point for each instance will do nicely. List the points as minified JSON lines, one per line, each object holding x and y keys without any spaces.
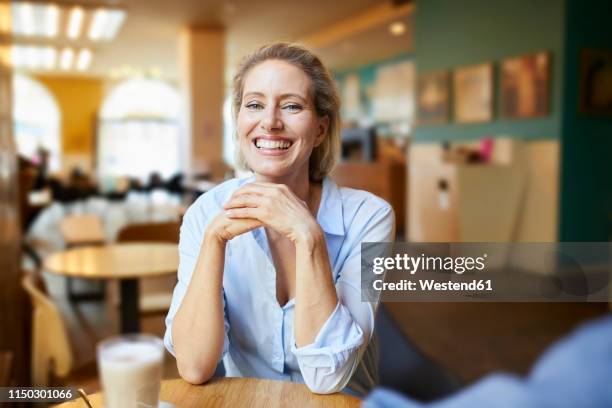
{"x":352,"y":109}
{"x":473,"y":93}
{"x":393,"y":93}
{"x":433,"y":98}
{"x":525,"y":86}
{"x":596,"y":82}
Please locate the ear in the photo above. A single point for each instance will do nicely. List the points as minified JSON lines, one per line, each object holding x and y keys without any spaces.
{"x":322,"y":130}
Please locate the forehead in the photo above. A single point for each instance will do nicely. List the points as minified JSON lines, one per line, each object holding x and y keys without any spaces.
{"x":275,"y":77}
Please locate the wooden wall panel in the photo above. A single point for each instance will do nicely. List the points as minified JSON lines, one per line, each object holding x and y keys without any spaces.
{"x":13,"y":313}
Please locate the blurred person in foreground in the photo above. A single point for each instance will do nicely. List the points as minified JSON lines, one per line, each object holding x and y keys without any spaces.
{"x":269,"y":274}
{"x":575,"y":372}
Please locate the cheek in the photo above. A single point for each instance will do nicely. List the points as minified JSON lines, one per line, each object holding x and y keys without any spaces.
{"x":304,"y":127}
{"x":244,"y":124}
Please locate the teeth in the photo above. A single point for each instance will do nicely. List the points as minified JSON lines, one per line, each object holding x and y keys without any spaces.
{"x":272,"y":144}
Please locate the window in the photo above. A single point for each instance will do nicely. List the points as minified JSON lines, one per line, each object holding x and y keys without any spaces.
{"x":37,"y":120}
{"x":139,"y":131}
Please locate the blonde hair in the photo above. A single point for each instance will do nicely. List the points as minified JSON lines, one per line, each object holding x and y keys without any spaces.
{"x":324,"y":94}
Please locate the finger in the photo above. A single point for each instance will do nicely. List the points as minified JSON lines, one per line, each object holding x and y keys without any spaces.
{"x":247,"y":200}
{"x":246,"y":223}
{"x":248,"y":189}
{"x":244,"y":212}
{"x":260,"y":188}
{"x":237,"y":227}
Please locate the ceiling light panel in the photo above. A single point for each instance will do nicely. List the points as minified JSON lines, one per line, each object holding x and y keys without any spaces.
{"x":66,"y":59}
{"x":50,"y":20}
{"x":84,"y":59}
{"x":33,"y":57}
{"x":75,"y":22}
{"x":35,"y":19}
{"x":98,"y":23}
{"x":46,"y":58}
{"x":105,"y":24}
{"x":49,"y":58}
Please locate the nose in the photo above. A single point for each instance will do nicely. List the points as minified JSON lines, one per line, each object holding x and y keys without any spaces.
{"x":271,"y":120}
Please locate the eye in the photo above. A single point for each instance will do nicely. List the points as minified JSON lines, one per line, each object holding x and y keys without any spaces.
{"x":254,"y":106}
{"x":293,"y":107}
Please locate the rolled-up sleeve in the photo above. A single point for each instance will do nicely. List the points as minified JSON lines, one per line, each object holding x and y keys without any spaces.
{"x":191,"y":235}
{"x":328,"y":363}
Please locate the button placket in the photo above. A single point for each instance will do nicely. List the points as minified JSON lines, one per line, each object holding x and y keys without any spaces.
{"x":278,"y":353}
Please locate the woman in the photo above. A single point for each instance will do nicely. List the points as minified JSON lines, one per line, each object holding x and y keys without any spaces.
{"x":269,"y":274}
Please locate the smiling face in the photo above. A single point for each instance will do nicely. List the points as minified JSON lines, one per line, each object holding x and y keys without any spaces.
{"x":277,"y":124}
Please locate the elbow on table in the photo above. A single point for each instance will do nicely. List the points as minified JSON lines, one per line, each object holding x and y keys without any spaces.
{"x":325,"y":386}
{"x":194,"y":374}
{"x":329,"y":380}
{"x":325,"y":381}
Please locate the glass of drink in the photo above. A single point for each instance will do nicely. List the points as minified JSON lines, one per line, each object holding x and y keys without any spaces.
{"x":130,"y":367}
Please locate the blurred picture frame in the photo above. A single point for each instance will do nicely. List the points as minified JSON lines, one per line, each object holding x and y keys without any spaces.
{"x":525,"y":86}
{"x":433,"y":98}
{"x":473,"y":93}
{"x":596,"y":83}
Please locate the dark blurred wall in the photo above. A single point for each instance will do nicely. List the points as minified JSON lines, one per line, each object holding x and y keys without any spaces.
{"x":451,"y":34}
{"x":586,"y":172}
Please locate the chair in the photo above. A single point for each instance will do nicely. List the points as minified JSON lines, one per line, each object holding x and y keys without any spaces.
{"x":6,"y":365}
{"x":54,"y":361}
{"x":51,"y":351}
{"x":404,"y":368}
{"x":150,"y":232}
{"x":80,"y":230}
{"x":156,"y":293}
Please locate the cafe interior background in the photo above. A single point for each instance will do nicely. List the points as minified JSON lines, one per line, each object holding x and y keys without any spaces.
{"x":478,"y":121}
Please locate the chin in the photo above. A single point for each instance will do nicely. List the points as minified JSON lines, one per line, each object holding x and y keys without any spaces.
{"x":271,"y":171}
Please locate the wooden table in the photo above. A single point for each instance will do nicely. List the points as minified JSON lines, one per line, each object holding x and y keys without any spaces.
{"x":126,"y":262}
{"x":237,"y":392}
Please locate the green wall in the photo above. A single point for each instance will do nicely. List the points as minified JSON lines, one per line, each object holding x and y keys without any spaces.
{"x":586,"y":158}
{"x":450,"y":34}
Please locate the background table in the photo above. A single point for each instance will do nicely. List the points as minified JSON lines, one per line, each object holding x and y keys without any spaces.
{"x":125,"y":262}
{"x":238,"y":392}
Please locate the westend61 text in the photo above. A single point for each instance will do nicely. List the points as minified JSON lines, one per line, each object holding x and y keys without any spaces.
{"x":432,"y":285}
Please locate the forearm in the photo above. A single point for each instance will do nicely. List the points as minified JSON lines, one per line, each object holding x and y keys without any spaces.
{"x":316,"y":296}
{"x":198,"y":326}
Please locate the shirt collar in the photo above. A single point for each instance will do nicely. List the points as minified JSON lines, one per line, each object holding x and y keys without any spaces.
{"x":330,"y":215}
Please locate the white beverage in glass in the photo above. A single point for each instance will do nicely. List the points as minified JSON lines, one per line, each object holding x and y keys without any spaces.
{"x":130,"y":368}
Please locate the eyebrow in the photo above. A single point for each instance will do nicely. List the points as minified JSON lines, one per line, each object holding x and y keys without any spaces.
{"x":283,"y":96}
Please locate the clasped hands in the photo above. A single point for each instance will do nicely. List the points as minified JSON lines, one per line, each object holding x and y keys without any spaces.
{"x":265,"y":204}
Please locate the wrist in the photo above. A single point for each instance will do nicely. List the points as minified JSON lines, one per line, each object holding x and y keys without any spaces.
{"x":309,"y":235}
{"x":212,"y":238}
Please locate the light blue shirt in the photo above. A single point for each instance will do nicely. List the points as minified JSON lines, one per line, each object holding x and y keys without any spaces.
{"x":259,"y":338}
